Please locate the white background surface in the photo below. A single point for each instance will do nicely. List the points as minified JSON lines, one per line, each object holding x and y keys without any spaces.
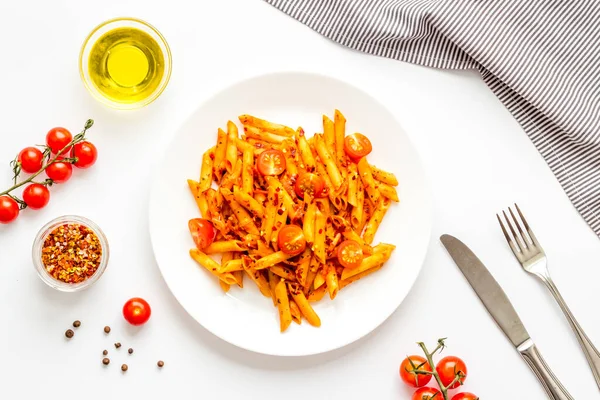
{"x":478,"y":158}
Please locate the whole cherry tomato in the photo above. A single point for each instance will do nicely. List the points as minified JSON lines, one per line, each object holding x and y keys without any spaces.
{"x":448,"y":368}
{"x":58,"y":138}
{"x":36,"y":196}
{"x":427,"y":393}
{"x":86,"y":154}
{"x":31,"y":159}
{"x":59,"y":172}
{"x":137,"y":311}
{"x":415,"y":363}
{"x":9,"y":210}
{"x":465,"y":396}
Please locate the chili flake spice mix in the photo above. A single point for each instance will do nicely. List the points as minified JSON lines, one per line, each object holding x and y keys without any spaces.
{"x":70,"y":253}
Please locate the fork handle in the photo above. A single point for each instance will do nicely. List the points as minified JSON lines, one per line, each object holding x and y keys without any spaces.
{"x":554,"y":389}
{"x":591,"y":353}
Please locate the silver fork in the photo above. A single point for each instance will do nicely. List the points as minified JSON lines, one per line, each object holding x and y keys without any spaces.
{"x":533,"y":260}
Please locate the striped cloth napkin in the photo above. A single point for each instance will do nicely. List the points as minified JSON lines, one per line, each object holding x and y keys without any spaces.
{"x":540,"y":57}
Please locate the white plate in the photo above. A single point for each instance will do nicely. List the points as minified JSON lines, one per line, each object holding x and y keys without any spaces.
{"x":244,"y":317}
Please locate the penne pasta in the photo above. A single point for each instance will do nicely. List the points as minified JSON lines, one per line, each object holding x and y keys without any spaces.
{"x":340,"y":134}
{"x":248,"y":172}
{"x":270,"y":214}
{"x":248,"y":202}
{"x":388,"y":191}
{"x":305,"y":308}
{"x":308,"y":223}
{"x":256,"y":133}
{"x":329,"y":135}
{"x":273,"y":281}
{"x":199,"y":198}
{"x":317,"y":294}
{"x":296,"y":314}
{"x":277,"y":129}
{"x":211,"y":266}
{"x":357,"y":215}
{"x":206,"y":170}
{"x":331,"y":279}
{"x":370,"y":262}
{"x":318,"y":246}
{"x":224,"y":286}
{"x":231,"y":153}
{"x":353,"y":180}
{"x":283,"y":272}
{"x":364,"y":171}
{"x":375,"y":220}
{"x":271,"y":260}
{"x":354,"y":278}
{"x":220,"y":152}
{"x":224,"y":246}
{"x":283,"y":303}
{"x":332,"y":169}
{"x":306,"y":153}
{"x":258,"y":278}
{"x":384,"y":176}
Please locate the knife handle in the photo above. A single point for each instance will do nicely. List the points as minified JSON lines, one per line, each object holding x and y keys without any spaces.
{"x":554,"y":389}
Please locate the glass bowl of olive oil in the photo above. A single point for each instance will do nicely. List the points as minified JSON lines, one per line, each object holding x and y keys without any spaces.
{"x":125,"y":63}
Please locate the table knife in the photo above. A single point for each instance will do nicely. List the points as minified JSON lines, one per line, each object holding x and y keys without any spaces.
{"x":495,"y":300}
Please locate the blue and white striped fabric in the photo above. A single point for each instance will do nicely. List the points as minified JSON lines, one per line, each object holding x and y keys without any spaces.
{"x":541,"y":58}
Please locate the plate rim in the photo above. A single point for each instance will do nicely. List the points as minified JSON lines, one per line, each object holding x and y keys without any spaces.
{"x":426,"y":184}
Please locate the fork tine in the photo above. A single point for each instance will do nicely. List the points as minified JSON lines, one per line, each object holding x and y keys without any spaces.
{"x":523,"y":235}
{"x":514,"y":247}
{"x":517,"y":237}
{"x":529,"y":231}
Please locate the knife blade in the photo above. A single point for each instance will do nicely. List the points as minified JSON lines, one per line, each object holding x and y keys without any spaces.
{"x":487,"y":289}
{"x":495,"y":301}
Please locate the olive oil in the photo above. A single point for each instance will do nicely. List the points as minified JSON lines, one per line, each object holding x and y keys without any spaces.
{"x":126,"y":65}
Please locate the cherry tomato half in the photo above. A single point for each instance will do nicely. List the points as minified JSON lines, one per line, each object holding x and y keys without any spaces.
{"x":202,"y":231}
{"x":271,"y":162}
{"x":291,"y":240}
{"x":309,"y":183}
{"x":357,"y":146}
{"x":137,"y":311}
{"x":350,"y":254}
{"x":31,"y":159}
{"x":86,"y":154}
{"x":427,"y":393}
{"x":448,"y":367}
{"x":407,"y":374}
{"x":58,"y":138}
{"x":465,"y":396}
{"x":59,"y":172}
{"x":36,"y":196}
{"x":9,"y":210}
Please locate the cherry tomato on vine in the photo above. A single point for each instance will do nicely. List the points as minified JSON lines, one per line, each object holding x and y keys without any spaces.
{"x":9,"y":210}
{"x":357,"y":146}
{"x":350,"y":254}
{"x":202,"y":231}
{"x":450,"y":366}
{"x":427,"y":393}
{"x":407,"y":374}
{"x":311,"y":183}
{"x":58,"y":138}
{"x":36,"y":196}
{"x":465,"y":396}
{"x":86,"y":154}
{"x":59,"y":172}
{"x":31,"y":159}
{"x":271,"y":162}
{"x":137,"y":311}
{"x":291,"y":240}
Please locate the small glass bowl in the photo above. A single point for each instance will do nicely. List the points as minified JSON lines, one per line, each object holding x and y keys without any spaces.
{"x":123,"y":22}
{"x":39,"y":243}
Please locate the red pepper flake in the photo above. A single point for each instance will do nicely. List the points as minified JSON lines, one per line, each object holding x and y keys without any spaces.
{"x":71,"y":253}
{"x":212,"y":156}
{"x":280,"y":211}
